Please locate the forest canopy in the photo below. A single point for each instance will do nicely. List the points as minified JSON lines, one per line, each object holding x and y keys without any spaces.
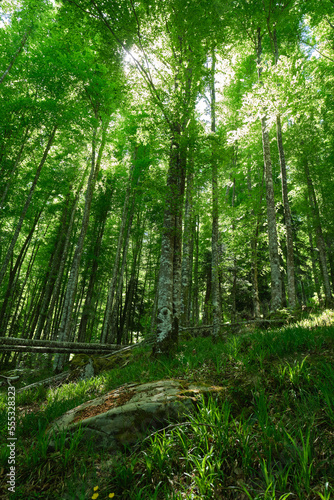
{"x":164,"y":165}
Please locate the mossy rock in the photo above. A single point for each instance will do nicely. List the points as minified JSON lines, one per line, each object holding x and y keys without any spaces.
{"x":127,"y":414}
{"x":78,"y":361}
{"x":100,"y":364}
{"x":281,"y":316}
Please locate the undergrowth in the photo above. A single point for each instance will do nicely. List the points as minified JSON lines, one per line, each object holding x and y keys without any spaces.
{"x":268,"y":436}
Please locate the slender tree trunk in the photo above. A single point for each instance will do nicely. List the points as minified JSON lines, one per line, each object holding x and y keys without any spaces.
{"x":113,"y":283}
{"x":114,"y":314}
{"x":186,"y":271}
{"x":290,"y":266}
{"x":287,"y":212}
{"x":54,"y":265}
{"x":318,"y":230}
{"x":63,"y":259}
{"x":92,"y":280}
{"x":14,"y":274}
{"x":207,"y":307}
{"x":313,"y":260}
{"x":26,"y":206}
{"x":89,"y":302}
{"x":155,"y":302}
{"x":19,"y":50}
{"x":124,"y":329}
{"x":276,"y":283}
{"x":65,"y":322}
{"x":195,"y":311}
{"x":254,"y":259}
{"x":216,"y":306}
{"x":330,"y":255}
{"x":16,"y":164}
{"x":234,"y":268}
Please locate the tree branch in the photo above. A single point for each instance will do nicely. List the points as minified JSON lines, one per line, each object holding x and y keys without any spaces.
{"x":313,"y":47}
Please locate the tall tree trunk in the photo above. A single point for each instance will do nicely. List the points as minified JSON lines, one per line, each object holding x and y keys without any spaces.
{"x":53,"y":266}
{"x":276,"y":283}
{"x":86,"y":313}
{"x":60,"y":271}
{"x":114,"y":314}
{"x":313,"y":260}
{"x":319,"y":236}
{"x":254,"y":244}
{"x":26,"y":205}
{"x":186,"y":254}
{"x":17,"y":53}
{"x":216,"y":306}
{"x":65,"y":323}
{"x":16,"y":164}
{"x":113,"y":283}
{"x":134,"y":275}
{"x":195,"y":294}
{"x":153,"y":324}
{"x":14,"y":273}
{"x":167,"y":325}
{"x":234,"y":267}
{"x":90,"y":297}
{"x":330,"y":255}
{"x":290,"y":267}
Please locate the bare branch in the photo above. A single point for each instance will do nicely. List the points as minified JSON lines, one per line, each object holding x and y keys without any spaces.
{"x":313,"y":47}
{"x":330,"y":24}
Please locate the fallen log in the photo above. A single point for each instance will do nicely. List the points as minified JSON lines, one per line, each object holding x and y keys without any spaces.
{"x":62,"y":350}
{"x":238,"y":323}
{"x":54,"y":343}
{"x":50,"y":380}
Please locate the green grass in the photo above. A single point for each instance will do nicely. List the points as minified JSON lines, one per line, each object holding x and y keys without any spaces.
{"x":269,"y":436}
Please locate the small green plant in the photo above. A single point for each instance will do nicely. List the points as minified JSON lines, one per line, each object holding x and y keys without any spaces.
{"x":328,"y":492}
{"x":205,"y":466}
{"x":302,"y":455}
{"x":261,"y":411}
{"x":295,"y":373}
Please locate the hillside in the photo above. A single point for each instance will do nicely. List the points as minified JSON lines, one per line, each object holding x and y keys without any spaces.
{"x":268,"y":435}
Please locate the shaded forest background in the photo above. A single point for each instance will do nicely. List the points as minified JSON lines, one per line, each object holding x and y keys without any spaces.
{"x":163,"y":164}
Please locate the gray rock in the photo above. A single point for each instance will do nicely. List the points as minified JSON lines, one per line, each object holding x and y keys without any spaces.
{"x":127,"y":414}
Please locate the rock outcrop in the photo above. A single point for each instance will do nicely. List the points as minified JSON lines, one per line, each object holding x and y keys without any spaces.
{"x":125,"y":415}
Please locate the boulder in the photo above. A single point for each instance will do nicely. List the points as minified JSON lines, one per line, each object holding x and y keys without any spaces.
{"x":125,"y":415}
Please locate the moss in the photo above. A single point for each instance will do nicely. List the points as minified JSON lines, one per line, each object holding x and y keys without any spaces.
{"x":100,"y":363}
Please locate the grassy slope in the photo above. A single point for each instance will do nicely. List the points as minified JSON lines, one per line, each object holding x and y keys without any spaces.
{"x":270,"y":435}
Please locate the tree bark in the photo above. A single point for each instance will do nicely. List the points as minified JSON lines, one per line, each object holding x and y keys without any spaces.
{"x":290,"y":267}
{"x":113,"y":283}
{"x":186,"y":271}
{"x":313,"y":260}
{"x":215,"y":296}
{"x":65,"y":323}
{"x":14,"y":273}
{"x":276,"y":283}
{"x":114,"y":313}
{"x":16,"y":164}
{"x":254,"y":243}
{"x":167,"y":325}
{"x":319,"y":236}
{"x":26,"y":205}
{"x":195,"y":294}
{"x":19,"y":50}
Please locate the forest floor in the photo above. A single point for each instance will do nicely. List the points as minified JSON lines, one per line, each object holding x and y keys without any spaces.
{"x":270,"y":437}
